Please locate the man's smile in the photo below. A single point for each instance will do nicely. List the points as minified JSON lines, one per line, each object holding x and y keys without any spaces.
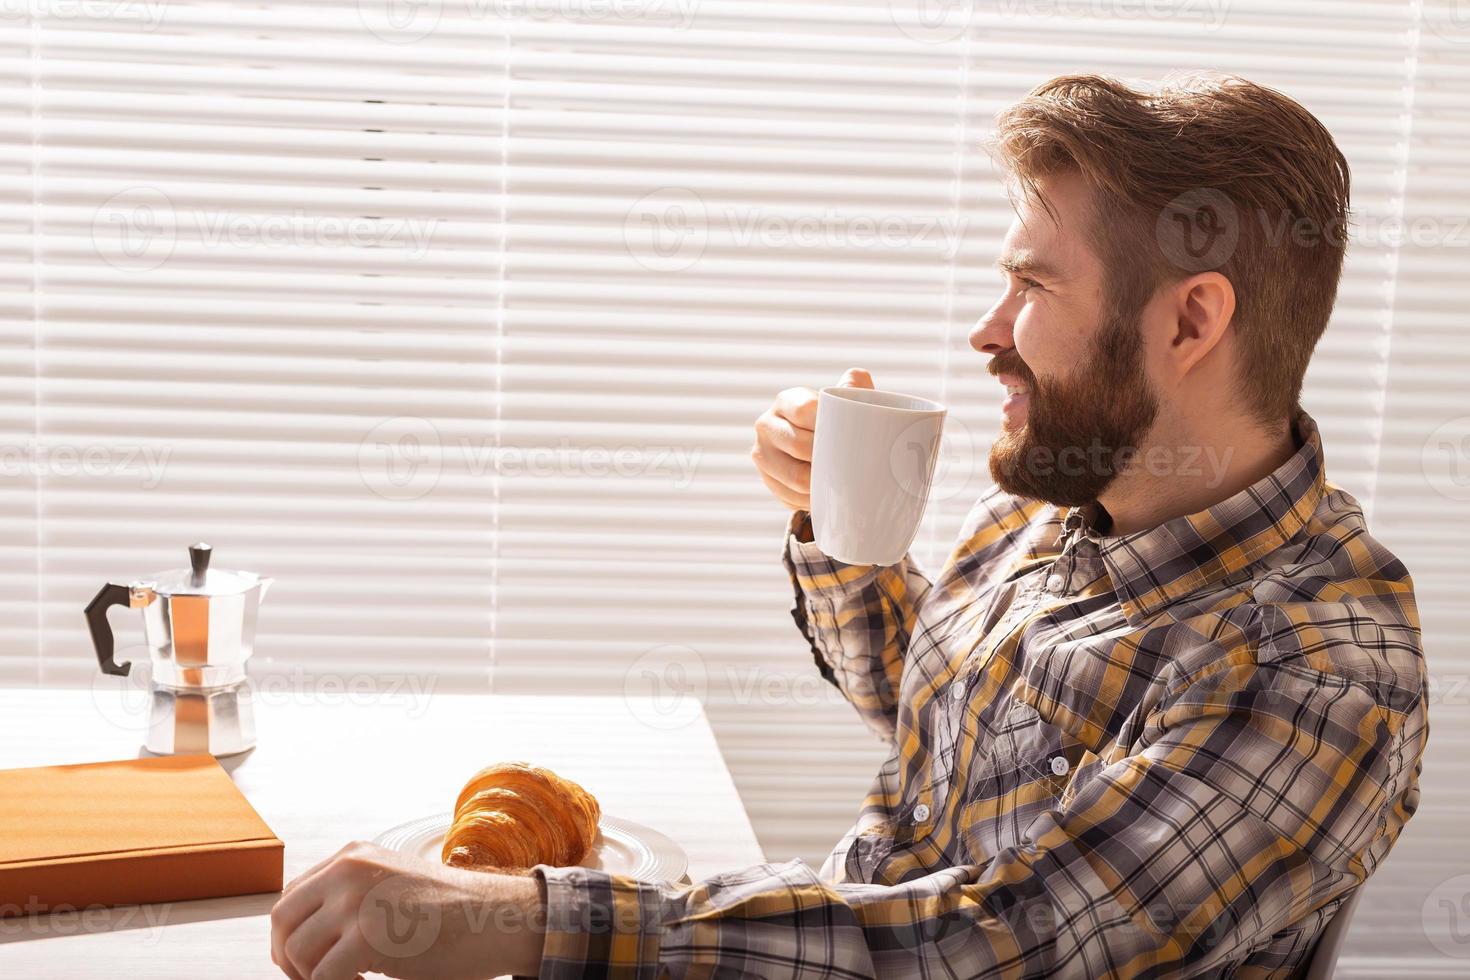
{"x":1017,"y":396}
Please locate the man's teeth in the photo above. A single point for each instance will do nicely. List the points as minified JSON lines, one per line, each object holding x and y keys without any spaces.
{"x":1015,"y":390}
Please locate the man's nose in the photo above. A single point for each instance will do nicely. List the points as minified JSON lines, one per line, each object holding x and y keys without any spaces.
{"x":991,"y":334}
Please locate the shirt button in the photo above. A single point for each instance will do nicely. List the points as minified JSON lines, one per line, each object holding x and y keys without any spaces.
{"x":1059,"y":766}
{"x":957,"y":691}
{"x":1054,"y":583}
{"x":921,"y":813}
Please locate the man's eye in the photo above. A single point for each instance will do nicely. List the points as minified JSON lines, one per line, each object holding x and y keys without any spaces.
{"x":1029,"y":284}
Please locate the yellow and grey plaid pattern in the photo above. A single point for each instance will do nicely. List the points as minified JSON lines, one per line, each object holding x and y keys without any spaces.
{"x":1168,"y":753}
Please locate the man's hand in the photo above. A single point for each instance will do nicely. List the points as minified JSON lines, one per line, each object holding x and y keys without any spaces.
{"x":370,"y":909}
{"x":783,"y":441}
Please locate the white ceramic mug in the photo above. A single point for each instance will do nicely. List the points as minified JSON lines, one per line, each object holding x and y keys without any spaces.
{"x":873,"y":457}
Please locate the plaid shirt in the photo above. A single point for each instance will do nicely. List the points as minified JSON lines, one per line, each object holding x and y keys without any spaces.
{"x":1168,"y":753}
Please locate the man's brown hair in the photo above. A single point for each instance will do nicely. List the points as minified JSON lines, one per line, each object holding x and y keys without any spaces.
{"x":1214,"y":173}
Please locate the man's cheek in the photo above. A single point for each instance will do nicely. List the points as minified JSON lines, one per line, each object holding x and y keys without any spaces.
{"x":1031,"y":348}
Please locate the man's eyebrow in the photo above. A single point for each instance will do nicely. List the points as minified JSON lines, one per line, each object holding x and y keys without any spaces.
{"x":1025,"y":265}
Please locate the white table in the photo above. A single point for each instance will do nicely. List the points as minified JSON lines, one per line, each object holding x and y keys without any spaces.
{"x":334,"y":767}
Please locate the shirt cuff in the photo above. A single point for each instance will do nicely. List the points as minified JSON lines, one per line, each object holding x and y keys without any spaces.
{"x":813,"y":572}
{"x":808,"y":569}
{"x":599,"y":924}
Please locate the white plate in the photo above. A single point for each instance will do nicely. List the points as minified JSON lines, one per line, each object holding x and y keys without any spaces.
{"x":622,"y":847}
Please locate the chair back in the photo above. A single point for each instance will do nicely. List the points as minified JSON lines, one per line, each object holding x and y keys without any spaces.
{"x":1329,"y":944}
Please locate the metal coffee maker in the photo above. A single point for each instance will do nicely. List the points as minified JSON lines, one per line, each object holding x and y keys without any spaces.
{"x":199,"y":628}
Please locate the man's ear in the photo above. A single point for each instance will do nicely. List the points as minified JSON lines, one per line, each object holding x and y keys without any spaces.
{"x":1204,"y":307}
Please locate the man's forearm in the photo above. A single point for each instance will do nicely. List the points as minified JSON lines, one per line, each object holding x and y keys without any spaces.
{"x":523,"y":944}
{"x":857,"y":620}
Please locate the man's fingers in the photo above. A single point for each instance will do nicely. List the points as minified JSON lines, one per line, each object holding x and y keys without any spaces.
{"x":782,"y":435}
{"x":279,"y":959}
{"x":787,"y":469}
{"x":292,"y":909}
{"x":797,"y":406}
{"x":309,"y":942}
{"x":344,"y":961}
{"x":787,"y":496}
{"x":856,"y":378}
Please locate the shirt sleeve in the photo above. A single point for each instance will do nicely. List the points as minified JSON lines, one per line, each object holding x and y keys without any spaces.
{"x":1250,"y":807}
{"x":857,"y":619}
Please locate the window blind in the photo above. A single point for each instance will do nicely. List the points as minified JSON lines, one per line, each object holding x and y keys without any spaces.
{"x":1421,"y":493}
{"x":19,"y":583}
{"x":266,"y":242}
{"x":454,"y":317}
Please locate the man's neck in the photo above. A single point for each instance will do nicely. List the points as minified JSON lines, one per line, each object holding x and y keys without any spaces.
{"x":1185,"y":472}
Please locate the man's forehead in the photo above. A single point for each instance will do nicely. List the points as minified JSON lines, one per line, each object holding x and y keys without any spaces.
{"x":1033,"y":249}
{"x":1039,"y":241}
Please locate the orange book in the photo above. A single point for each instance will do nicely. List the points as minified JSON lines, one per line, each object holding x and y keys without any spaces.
{"x":160,"y":829}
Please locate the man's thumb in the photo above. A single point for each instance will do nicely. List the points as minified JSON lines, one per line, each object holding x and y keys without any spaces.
{"x":856,"y":378}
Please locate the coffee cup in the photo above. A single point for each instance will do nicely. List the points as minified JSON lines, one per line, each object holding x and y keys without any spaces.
{"x":873,"y":457}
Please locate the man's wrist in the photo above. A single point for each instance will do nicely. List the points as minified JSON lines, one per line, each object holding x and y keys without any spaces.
{"x":520,"y":952}
{"x":813,"y":571}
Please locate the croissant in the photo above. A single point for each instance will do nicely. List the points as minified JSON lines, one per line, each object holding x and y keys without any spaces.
{"x":513,"y":816}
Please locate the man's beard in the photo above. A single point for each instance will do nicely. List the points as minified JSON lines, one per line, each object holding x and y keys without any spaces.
{"x":1081,"y":431}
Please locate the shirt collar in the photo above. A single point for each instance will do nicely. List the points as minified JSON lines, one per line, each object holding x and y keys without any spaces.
{"x":1151,"y":568}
